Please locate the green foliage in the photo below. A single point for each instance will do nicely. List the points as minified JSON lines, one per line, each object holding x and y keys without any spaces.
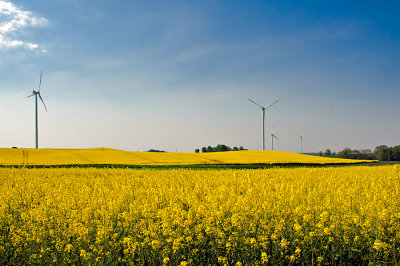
{"x":219,"y":148}
{"x":396,"y":153}
{"x":153,"y":150}
{"x":381,"y":153}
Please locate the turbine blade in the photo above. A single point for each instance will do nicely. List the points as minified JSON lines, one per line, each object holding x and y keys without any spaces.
{"x":40,"y":83}
{"x":272,"y":104}
{"x":255,"y":103}
{"x":30,"y":95}
{"x":274,"y":136}
{"x":42,"y":101}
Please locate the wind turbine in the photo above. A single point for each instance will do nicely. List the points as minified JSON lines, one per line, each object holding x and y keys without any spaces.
{"x":301,"y":140}
{"x":36,"y":93}
{"x":272,"y":137}
{"x":263,"y":121}
{"x":301,"y":144}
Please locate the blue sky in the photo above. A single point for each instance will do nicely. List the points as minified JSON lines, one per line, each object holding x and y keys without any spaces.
{"x":176,"y":75}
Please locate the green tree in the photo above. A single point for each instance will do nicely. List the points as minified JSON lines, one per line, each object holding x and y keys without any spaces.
{"x":221,"y":147}
{"x":196,"y":150}
{"x":367,"y":154}
{"x":355,"y":154}
{"x":154,"y":150}
{"x":328,"y":152}
{"x":382,"y":153}
{"x":396,"y":153}
{"x":345,"y":153}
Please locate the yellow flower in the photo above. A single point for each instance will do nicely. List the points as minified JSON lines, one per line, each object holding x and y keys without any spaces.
{"x":127,"y":240}
{"x":324,"y":216}
{"x":297,"y":227}
{"x":379,"y":245}
{"x":307,"y":217}
{"x":222,"y":260}
{"x":148,"y":212}
{"x":68,"y":247}
{"x":297,"y":251}
{"x":264,"y":257}
{"x":284,"y":243}
{"x":83,"y":254}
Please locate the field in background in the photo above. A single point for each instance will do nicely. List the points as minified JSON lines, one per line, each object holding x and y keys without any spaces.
{"x":104,"y":156}
{"x":347,"y":215}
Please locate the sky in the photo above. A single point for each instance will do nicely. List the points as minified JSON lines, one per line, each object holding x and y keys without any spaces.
{"x":177,"y":75}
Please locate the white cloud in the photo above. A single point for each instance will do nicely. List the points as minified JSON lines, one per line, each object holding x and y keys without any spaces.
{"x":13,"y":18}
{"x":32,"y":45}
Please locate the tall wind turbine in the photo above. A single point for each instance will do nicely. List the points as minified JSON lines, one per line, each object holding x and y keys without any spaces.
{"x":36,"y":93}
{"x":301,"y":140}
{"x":301,"y":144}
{"x":263,"y":121}
{"x":272,"y":137}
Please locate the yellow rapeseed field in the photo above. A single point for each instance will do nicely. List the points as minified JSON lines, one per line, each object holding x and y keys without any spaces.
{"x":332,"y":215}
{"x":113,"y":157}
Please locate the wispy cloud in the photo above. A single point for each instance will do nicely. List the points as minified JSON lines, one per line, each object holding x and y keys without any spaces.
{"x":13,"y":19}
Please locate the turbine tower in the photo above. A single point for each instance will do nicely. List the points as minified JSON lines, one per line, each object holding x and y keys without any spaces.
{"x":301,"y":140}
{"x":301,"y":144}
{"x":36,"y":93}
{"x":263,"y":121}
{"x":272,"y":137}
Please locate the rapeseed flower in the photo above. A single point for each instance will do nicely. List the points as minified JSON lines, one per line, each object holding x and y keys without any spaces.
{"x":101,"y":216}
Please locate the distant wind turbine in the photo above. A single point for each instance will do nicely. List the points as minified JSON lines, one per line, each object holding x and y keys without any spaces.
{"x":301,"y":141}
{"x":263,"y":121}
{"x":301,"y":144}
{"x":272,"y":137}
{"x":36,"y":93}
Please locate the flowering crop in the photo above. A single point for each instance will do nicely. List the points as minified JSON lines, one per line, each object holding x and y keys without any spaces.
{"x":111,"y":156}
{"x":345,"y":215}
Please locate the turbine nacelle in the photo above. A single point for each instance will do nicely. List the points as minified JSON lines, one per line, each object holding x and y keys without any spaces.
{"x":36,"y":93}
{"x":263,"y":110}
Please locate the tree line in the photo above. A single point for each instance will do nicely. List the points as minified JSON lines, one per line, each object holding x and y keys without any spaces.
{"x":218,"y":148}
{"x":381,"y":153}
